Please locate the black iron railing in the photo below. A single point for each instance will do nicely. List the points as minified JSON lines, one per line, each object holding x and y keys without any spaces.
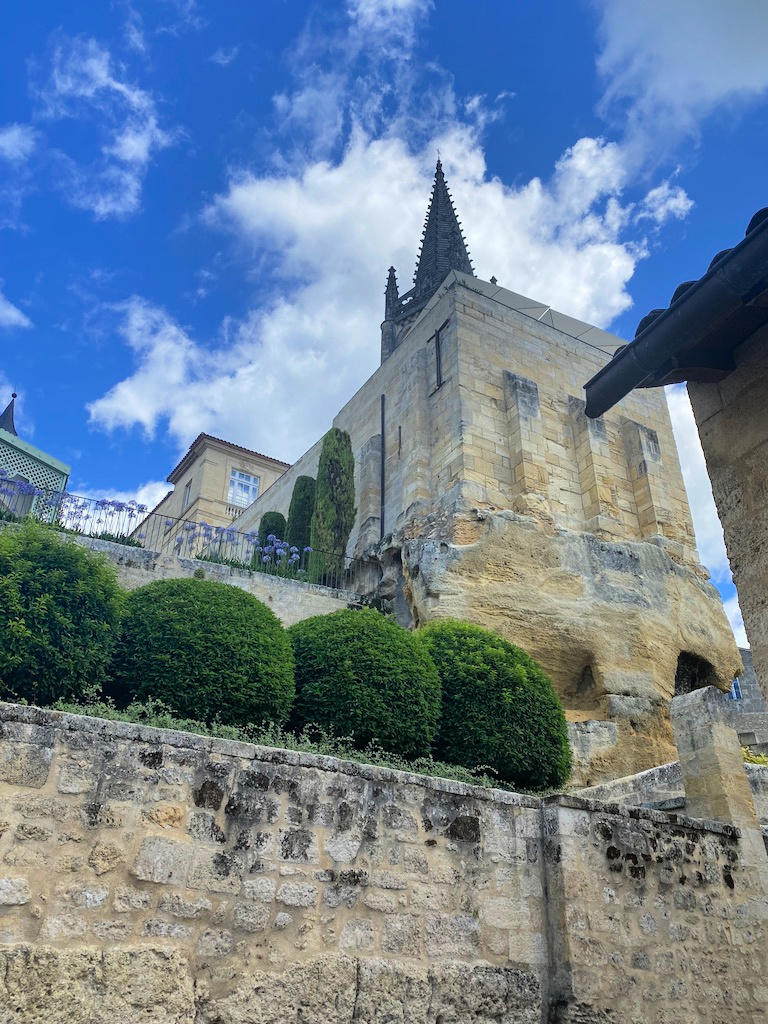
{"x":132,"y":524}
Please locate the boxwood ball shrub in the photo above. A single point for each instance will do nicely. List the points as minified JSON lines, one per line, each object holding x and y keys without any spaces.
{"x":207,"y":650}
{"x":361,"y":675}
{"x":59,"y":616}
{"x":499,"y":708}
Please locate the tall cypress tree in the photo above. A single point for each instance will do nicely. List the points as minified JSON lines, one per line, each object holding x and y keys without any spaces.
{"x":298,"y":530}
{"x":335,"y":511}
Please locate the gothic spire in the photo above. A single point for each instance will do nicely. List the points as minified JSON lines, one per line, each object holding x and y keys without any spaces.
{"x":442,"y":246}
{"x":6,"y":417}
{"x":392,"y":300}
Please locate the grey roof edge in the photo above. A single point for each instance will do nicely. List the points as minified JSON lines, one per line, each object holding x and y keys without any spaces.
{"x":731,"y":277}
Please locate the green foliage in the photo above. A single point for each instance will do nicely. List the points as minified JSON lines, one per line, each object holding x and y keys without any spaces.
{"x":311,"y":740}
{"x":335,"y":511}
{"x":298,"y":530}
{"x":271,"y":523}
{"x":59,"y":616}
{"x":499,"y":708}
{"x":750,"y":757}
{"x":360,"y":674}
{"x":208,"y":650}
{"x":119,"y":538}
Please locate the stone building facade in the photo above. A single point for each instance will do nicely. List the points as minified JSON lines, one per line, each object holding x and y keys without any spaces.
{"x":212,"y":484}
{"x":484,"y":493}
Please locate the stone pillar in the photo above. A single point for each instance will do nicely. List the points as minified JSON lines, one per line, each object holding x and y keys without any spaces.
{"x":596,"y":470}
{"x":526,"y":440}
{"x":369,"y":498}
{"x":732,"y":417}
{"x":715,"y":783}
{"x":645,"y":473}
{"x":413,"y":440}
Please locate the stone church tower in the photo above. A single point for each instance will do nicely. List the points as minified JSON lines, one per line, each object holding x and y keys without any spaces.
{"x":484,"y":493}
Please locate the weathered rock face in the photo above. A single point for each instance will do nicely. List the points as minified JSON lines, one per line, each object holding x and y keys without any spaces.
{"x":608,"y":620}
{"x":175,"y":879}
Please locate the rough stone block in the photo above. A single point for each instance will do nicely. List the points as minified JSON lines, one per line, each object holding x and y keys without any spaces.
{"x":14,"y":891}
{"x":164,"y":861}
{"x":214,"y":871}
{"x":297,"y":894}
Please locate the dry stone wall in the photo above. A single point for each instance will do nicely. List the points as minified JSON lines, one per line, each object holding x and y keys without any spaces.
{"x":174,"y":879}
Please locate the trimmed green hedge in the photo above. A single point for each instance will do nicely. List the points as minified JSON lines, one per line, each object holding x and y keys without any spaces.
{"x":335,"y":511}
{"x":361,"y":675}
{"x":499,"y":708}
{"x":271,"y":523}
{"x":59,"y":616}
{"x":298,"y":529}
{"x":208,"y":650}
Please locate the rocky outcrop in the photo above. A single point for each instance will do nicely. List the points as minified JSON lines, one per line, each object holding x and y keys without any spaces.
{"x":608,"y":620}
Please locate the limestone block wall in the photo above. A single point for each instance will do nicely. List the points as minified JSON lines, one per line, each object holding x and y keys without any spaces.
{"x":290,"y":600}
{"x":653,"y":919}
{"x":184,"y":880}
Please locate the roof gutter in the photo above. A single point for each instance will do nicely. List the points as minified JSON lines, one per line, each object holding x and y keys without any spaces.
{"x":731,"y":283}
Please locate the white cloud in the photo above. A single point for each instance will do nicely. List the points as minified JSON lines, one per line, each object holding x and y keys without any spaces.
{"x":85,"y":82}
{"x":133,"y":31}
{"x":393,"y":20}
{"x":224,"y":57}
{"x":670,"y":65}
{"x":148,"y":494}
{"x":17,"y":142}
{"x":10,"y":316}
{"x":664,"y":202}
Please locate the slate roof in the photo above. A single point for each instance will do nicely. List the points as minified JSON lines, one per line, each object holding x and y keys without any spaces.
{"x":694,"y":338}
{"x":6,"y":417}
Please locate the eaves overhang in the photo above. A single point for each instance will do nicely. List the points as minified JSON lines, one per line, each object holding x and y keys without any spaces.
{"x":695,"y":338}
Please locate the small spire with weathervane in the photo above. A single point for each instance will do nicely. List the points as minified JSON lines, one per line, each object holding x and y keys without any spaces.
{"x":6,"y":417}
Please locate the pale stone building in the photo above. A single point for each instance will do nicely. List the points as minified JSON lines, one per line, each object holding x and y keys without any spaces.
{"x":714,"y":336}
{"x":485,"y":493}
{"x":26,"y":468}
{"x":212,"y":484}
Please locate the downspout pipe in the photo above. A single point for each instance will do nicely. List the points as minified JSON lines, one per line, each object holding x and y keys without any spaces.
{"x":730,"y":284}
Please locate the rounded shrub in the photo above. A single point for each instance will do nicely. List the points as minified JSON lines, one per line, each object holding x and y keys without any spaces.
{"x":207,"y":650}
{"x":499,"y":708}
{"x":59,"y":616}
{"x":272,"y":523}
{"x":361,"y":675}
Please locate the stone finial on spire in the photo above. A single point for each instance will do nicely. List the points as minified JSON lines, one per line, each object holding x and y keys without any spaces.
{"x":6,"y":417}
{"x":392,"y":300}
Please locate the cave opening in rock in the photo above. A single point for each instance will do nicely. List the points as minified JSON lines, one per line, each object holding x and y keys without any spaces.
{"x":692,"y":673}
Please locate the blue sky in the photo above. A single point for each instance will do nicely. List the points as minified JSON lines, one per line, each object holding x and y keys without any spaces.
{"x":199,"y":202}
